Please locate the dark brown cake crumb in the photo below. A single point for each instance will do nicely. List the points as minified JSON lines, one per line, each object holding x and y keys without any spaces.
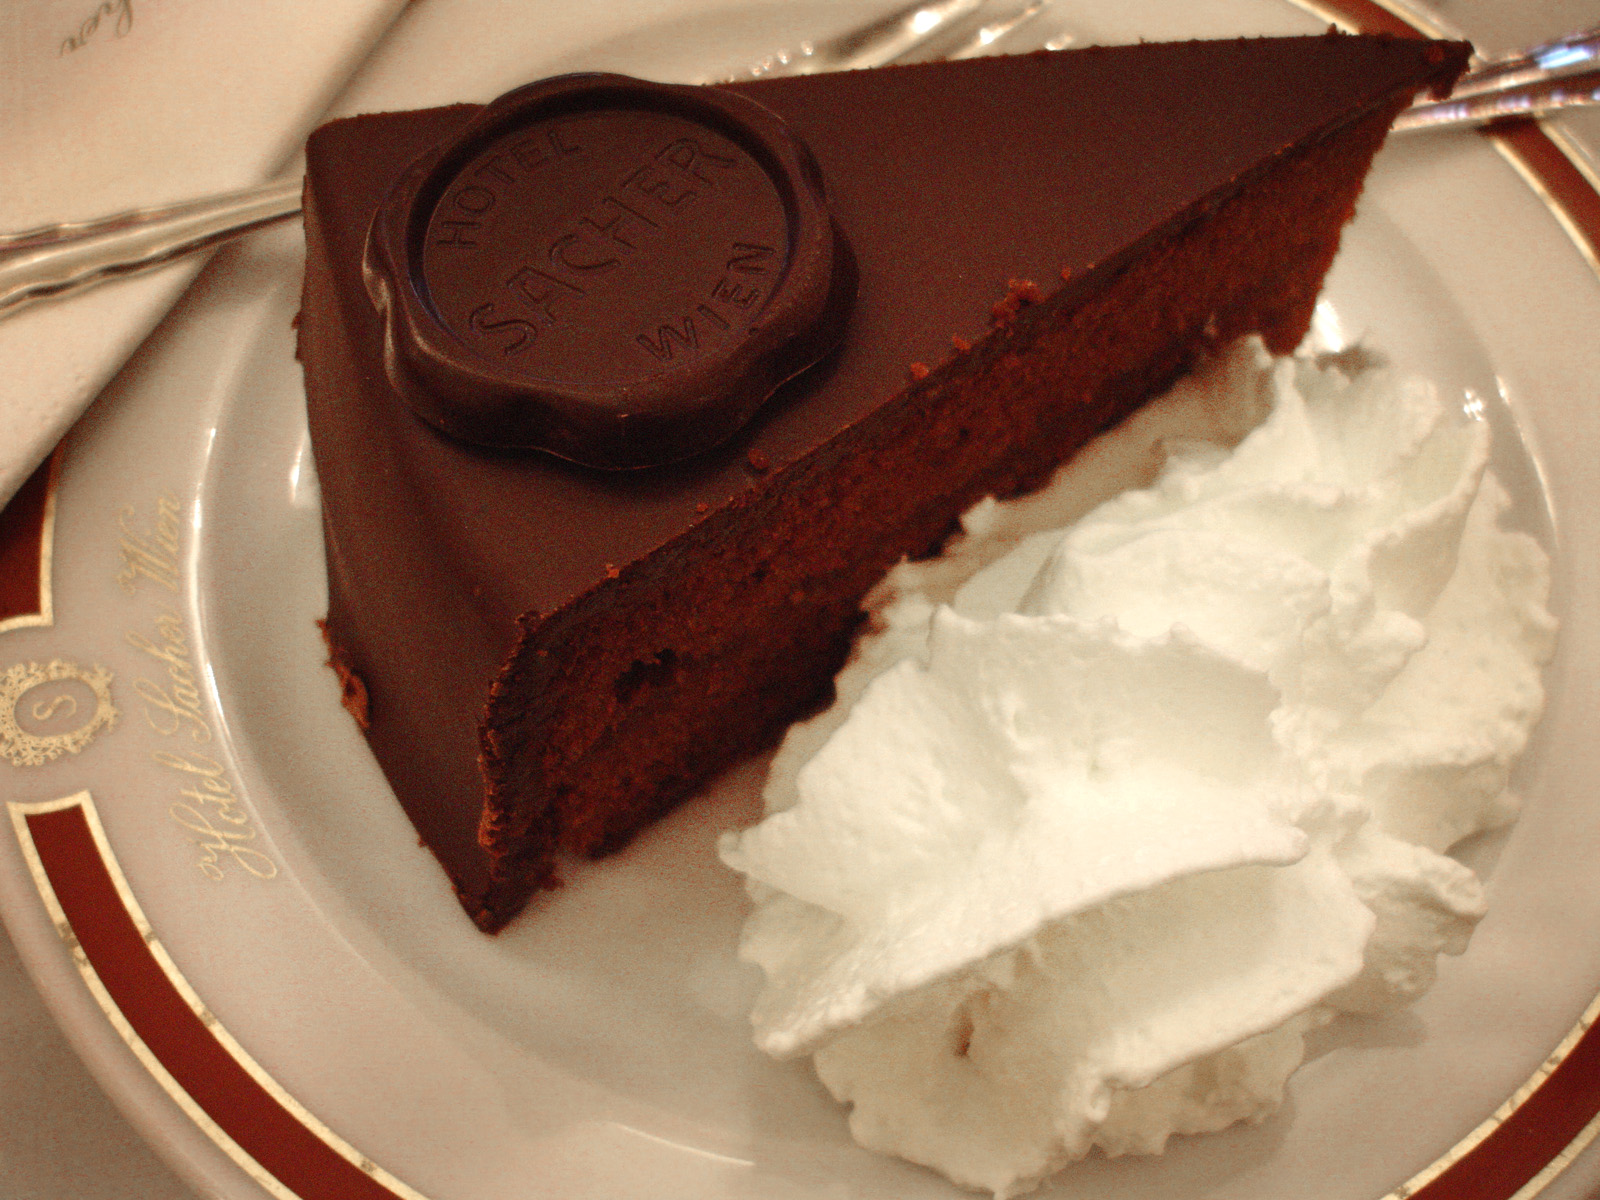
{"x":352,"y":690}
{"x":1019,"y":294}
{"x":758,"y":460}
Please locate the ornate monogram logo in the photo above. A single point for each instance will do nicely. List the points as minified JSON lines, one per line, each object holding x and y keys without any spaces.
{"x":50,"y":710}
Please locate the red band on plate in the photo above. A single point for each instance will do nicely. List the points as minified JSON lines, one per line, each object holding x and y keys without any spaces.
{"x":25,"y":549}
{"x":1567,"y":187}
{"x":1533,"y":1135}
{"x":1367,"y":16}
{"x":278,"y":1141}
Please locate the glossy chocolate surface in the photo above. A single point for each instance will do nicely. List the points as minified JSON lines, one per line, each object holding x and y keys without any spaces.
{"x":967,"y":175}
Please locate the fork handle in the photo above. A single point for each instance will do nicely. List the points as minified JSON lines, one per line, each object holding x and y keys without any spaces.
{"x":1567,"y":55}
{"x":53,"y":260}
{"x":1534,"y":99}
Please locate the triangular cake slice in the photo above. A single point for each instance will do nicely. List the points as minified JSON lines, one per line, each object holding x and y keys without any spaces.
{"x":991,"y":261}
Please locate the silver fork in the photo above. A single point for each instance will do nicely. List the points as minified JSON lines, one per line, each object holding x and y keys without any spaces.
{"x":921,"y":29}
{"x":56,"y":260}
{"x":1563,"y":73}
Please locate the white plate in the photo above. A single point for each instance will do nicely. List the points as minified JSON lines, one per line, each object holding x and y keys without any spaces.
{"x":598,"y":1047}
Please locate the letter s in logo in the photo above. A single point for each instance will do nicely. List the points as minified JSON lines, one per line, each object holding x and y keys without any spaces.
{"x":521,"y":330}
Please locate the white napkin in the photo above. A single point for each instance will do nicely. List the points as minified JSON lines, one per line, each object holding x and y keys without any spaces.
{"x":113,"y":104}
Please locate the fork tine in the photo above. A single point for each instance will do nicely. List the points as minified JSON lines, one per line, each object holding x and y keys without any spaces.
{"x":904,"y":31}
{"x":882,"y":40}
{"x":1563,"y":56}
{"x":976,"y":34}
{"x":989,"y":37}
{"x":1532,"y":99}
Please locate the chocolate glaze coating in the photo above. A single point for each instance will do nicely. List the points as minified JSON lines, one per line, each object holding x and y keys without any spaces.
{"x":614,"y":271}
{"x":456,"y":572}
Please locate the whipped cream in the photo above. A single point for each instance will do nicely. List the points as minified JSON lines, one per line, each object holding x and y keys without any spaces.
{"x":1110,"y":811}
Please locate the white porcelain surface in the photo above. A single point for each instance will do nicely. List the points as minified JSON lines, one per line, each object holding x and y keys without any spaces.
{"x":598,"y":1046}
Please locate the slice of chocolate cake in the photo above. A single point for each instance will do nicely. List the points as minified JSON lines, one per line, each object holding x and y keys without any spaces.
{"x":581,"y":554}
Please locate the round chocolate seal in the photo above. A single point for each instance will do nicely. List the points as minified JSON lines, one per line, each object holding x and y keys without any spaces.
{"x":614,"y":271}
